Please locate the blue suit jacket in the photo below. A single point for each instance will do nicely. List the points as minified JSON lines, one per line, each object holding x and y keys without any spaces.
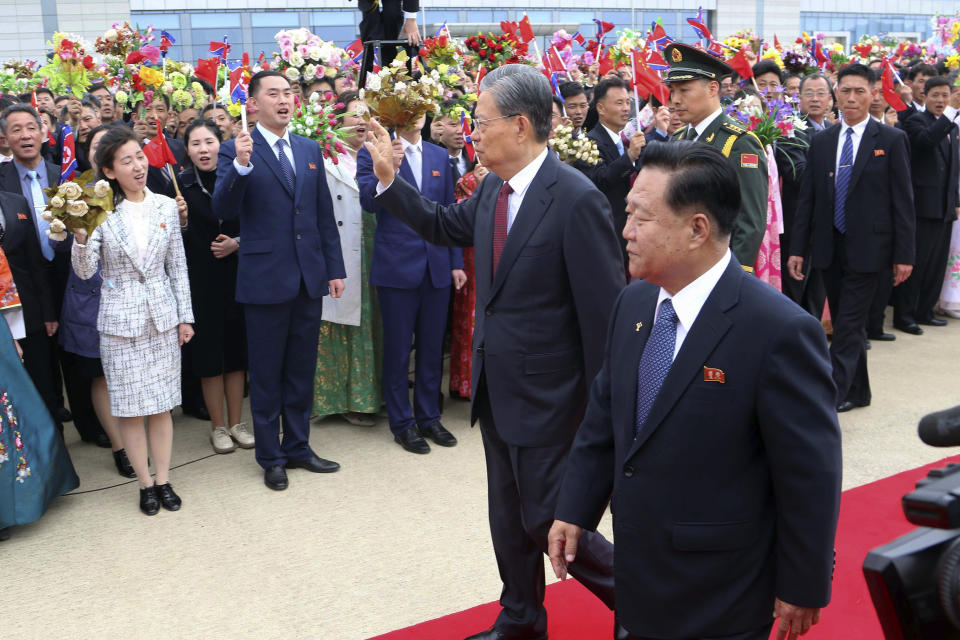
{"x":287,"y":237}
{"x":400,"y":256}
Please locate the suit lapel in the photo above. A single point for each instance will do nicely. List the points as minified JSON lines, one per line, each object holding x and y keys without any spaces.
{"x":300,"y":160}
{"x":483,"y":240}
{"x":535,"y":203}
{"x":265,"y":154}
{"x":153,"y":231}
{"x":339,"y":172}
{"x":867,"y":145}
{"x":707,"y":331}
{"x":119,"y":225}
{"x":606,"y":146}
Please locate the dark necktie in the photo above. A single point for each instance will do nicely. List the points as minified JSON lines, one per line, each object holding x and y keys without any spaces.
{"x":843,"y":183}
{"x":655,"y":362}
{"x":691,"y":133}
{"x":286,"y":171}
{"x":500,"y":223}
{"x":455,"y":168}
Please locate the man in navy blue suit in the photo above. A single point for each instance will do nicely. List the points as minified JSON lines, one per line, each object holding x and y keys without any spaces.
{"x":413,"y":280}
{"x":711,"y":424}
{"x":290,"y":258}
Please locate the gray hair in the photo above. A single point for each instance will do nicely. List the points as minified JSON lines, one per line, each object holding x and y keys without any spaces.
{"x":522,"y":89}
{"x":18,"y":107}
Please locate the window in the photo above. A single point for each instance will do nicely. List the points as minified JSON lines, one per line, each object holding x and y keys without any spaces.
{"x":169,"y":22}
{"x":217,"y":21}
{"x":276,"y":19}
{"x":858,"y":24}
{"x":203,"y":37}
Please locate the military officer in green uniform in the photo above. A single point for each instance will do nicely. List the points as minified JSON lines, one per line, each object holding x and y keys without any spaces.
{"x":694,"y":79}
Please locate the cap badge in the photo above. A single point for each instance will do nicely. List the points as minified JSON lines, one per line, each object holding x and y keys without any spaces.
{"x":677,"y":55}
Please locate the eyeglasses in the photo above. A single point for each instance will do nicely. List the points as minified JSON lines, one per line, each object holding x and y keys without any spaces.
{"x":481,"y":125}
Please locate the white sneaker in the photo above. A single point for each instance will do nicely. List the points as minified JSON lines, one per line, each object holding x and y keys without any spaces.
{"x":243,"y":435}
{"x":359,"y":419}
{"x":951,"y":314}
{"x":221,"y":440}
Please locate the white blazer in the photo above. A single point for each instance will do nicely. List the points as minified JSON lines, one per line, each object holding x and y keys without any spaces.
{"x":137,"y":290}
{"x":345,"y":195}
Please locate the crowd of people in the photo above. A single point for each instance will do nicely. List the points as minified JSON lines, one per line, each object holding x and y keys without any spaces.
{"x":264,"y":264}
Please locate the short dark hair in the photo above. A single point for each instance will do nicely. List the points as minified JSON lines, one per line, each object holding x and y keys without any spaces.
{"x":156,"y":94}
{"x":600,"y":91}
{"x":321,"y":80}
{"x":18,"y":107}
{"x":259,"y":77}
{"x":816,"y":76}
{"x":559,"y":104}
{"x":699,"y":176}
{"x":93,"y":132}
{"x":571,"y":90}
{"x":59,"y":99}
{"x":935,"y":81}
{"x":791,"y":76}
{"x":210,"y":107}
{"x":90,"y":104}
{"x":768,"y":66}
{"x":91,"y":99}
{"x":112,"y":140}
{"x":46,"y":90}
{"x":924,"y":68}
{"x":858,"y":70}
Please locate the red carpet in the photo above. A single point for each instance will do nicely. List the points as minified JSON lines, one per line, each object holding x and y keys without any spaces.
{"x":869,"y":516}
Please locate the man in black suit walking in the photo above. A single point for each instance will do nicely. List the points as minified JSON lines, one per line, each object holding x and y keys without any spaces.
{"x":711,"y":423}
{"x":934,"y":155}
{"x":547,"y":272}
{"x":856,"y":211}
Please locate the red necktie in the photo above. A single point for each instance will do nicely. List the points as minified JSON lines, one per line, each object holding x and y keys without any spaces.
{"x":500,"y":223}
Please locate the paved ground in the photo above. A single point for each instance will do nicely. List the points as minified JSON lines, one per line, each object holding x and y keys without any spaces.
{"x":391,"y":540}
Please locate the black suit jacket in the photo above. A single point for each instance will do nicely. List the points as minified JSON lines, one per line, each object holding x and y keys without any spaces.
{"x":791,"y":162}
{"x":934,"y":155}
{"x":730,"y":495}
{"x":541,"y":321}
{"x":391,"y":6}
{"x":879,"y":211}
{"x":612,"y":177}
{"x":31,"y":273}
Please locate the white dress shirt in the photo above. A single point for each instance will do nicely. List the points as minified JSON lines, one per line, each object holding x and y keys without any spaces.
{"x":617,"y":140}
{"x":413,"y":154}
{"x":688,"y":302}
{"x":520,"y":183}
{"x":271,"y":139}
{"x":461,"y":159}
{"x":858,"y":130}
{"x":706,"y":122}
{"x":137,"y":219}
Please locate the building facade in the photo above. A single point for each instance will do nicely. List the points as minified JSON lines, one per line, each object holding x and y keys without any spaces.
{"x":251,"y":24}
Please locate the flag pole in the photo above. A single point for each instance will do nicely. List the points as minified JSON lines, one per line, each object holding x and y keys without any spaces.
{"x":243,"y":114}
{"x":173,"y":178}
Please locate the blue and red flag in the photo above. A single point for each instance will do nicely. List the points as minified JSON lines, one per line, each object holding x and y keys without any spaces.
{"x":602,"y":28}
{"x":221,"y":49}
{"x":816,"y":50}
{"x":579,"y":39}
{"x":886,"y":82}
{"x":658,"y":37}
{"x":240,"y":80}
{"x":700,"y":26}
{"x":442,"y":31}
{"x":355,"y":49}
{"x":555,"y":83}
{"x":467,"y":142}
{"x":655,"y":60}
{"x":376,"y":60}
{"x":68,"y":159}
{"x":166,"y":41}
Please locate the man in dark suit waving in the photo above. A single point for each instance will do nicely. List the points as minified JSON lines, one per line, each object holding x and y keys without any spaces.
{"x":856,"y":212}
{"x":711,"y":423}
{"x":289,"y":259}
{"x":547,"y":272}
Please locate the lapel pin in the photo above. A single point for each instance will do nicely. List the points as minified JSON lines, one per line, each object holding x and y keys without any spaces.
{"x":639,"y":324}
{"x":436,"y":174}
{"x":163,"y":225}
{"x":22,"y":216}
{"x":311,"y":165}
{"x":712,"y":374}
{"x":879,"y":152}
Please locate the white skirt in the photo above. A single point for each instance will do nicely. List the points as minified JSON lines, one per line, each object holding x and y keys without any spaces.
{"x":143,"y":373}
{"x":950,"y":294}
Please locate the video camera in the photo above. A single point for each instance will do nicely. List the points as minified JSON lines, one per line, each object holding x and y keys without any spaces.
{"x":914,"y":581}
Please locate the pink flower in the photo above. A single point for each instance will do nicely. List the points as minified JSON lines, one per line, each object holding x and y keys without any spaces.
{"x":304,"y":50}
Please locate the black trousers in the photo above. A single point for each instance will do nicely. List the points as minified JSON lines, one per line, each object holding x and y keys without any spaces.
{"x":881,"y":300}
{"x":850,"y":295}
{"x":915,"y":299}
{"x":523,"y":484}
{"x":757,"y":634}
{"x":382,"y":23}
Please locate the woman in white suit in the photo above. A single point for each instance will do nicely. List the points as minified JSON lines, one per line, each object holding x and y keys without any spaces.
{"x":145,"y":310}
{"x":349,"y":354}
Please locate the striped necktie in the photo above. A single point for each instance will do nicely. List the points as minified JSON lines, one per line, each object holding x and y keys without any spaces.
{"x":655,"y":362}
{"x":844,"y":170}
{"x":286,"y":171}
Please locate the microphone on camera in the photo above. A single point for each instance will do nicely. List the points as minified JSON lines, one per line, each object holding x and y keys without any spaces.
{"x":941,"y":428}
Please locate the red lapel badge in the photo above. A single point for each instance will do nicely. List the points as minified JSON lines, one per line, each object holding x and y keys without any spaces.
{"x":22,"y":216}
{"x":311,"y":165}
{"x":436,"y":174}
{"x":712,"y":374}
{"x":163,"y":225}
{"x":879,"y":152}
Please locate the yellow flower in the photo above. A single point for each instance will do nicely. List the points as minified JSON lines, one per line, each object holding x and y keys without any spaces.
{"x":443,"y":68}
{"x":151,"y":77}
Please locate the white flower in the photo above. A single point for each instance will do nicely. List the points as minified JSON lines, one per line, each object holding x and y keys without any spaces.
{"x":292,"y":74}
{"x":373,"y":82}
{"x":310,"y":72}
{"x":101,"y":189}
{"x":70,"y":190}
{"x":314,"y":53}
{"x":59,"y":237}
{"x":77,"y":208}
{"x":362,"y":94}
{"x":111,"y":35}
{"x":400,"y":86}
{"x":309,"y":121}
{"x":57,"y":201}
{"x":296,"y":59}
{"x":299,"y":36}
{"x":57,"y":226}
{"x":324,"y":52}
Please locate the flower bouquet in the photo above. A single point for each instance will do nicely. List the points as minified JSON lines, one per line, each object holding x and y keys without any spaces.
{"x":396,"y":99}
{"x":779,"y":123}
{"x":441,"y":50}
{"x":305,"y":57}
{"x":119,"y":40}
{"x":74,"y":208}
{"x":185,"y":94}
{"x":744,"y":37}
{"x":572,"y":149}
{"x":494,"y":51}
{"x":798,"y":60}
{"x":68,"y":67}
{"x":17,"y":76}
{"x":318,"y":121}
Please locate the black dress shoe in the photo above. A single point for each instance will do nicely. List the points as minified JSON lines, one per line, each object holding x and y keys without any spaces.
{"x":912,"y":329}
{"x":847,"y":405}
{"x":933,"y":322}
{"x":275,"y":478}
{"x":315,"y":464}
{"x":867,"y":345}
{"x":412,"y":441}
{"x":4,"y":534}
{"x":101,"y":440}
{"x":170,"y":500}
{"x":620,"y":633}
{"x":124,"y":467}
{"x":63,"y":414}
{"x":494,"y":634}
{"x":149,"y":503}
{"x":439,"y":434}
{"x":882,"y":337}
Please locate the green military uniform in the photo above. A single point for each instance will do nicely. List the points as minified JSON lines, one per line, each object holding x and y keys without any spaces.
{"x":742,"y":148}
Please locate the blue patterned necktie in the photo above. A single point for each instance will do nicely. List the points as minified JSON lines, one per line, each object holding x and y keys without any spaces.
{"x":39,"y":204}
{"x":843,"y":183}
{"x":656,"y":361}
{"x":286,"y":171}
